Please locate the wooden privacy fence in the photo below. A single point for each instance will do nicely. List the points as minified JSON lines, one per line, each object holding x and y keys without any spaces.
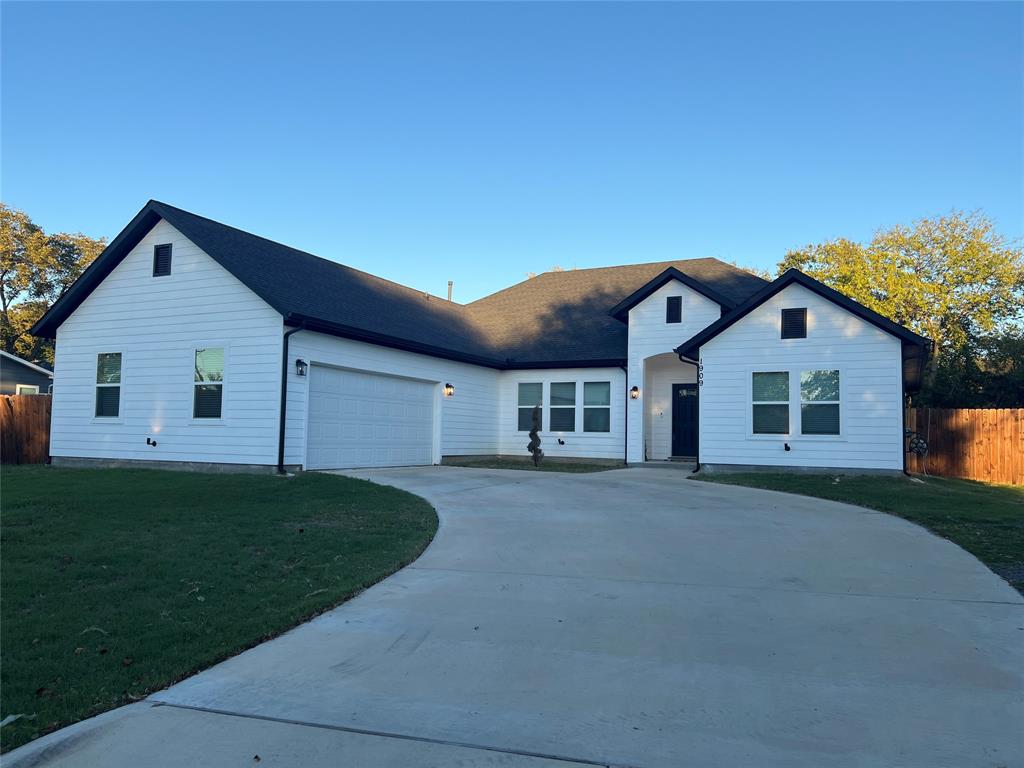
{"x":973,"y":443}
{"x":24,"y":429}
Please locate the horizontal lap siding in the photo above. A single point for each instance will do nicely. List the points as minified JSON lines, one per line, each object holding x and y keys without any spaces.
{"x":156,"y":322}
{"x":868,"y":358}
{"x":591,"y":445}
{"x":468,"y":421}
{"x":649,"y":336}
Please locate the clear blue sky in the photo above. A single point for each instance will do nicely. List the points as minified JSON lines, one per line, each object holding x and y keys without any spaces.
{"x":478,"y":142}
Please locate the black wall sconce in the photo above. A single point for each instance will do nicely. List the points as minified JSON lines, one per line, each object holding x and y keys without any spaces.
{"x":449,"y":390}
{"x":634,"y":393}
{"x":301,"y":367}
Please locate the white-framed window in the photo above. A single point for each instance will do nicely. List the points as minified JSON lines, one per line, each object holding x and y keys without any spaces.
{"x":26,"y":389}
{"x":819,"y":402}
{"x":108,"y":385}
{"x":531,"y":394}
{"x":769,"y":392}
{"x":562,"y":406}
{"x":208,"y":383}
{"x":597,"y":401}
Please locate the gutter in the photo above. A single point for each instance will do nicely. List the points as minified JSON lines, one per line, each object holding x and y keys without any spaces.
{"x":284,"y":396}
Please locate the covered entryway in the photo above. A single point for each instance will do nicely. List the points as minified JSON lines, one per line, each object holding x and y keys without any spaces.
{"x":670,"y":408}
{"x":362,"y":419}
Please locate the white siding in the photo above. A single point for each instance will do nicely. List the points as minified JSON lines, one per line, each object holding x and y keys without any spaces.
{"x":869,"y":361}
{"x":591,"y":445}
{"x":661,"y":373}
{"x":466,"y":423}
{"x":650,"y":335}
{"x":156,"y":323}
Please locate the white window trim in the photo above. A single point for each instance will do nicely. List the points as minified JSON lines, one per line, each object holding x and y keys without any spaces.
{"x":222,"y":419}
{"x":801,"y":402}
{"x":585,"y":407}
{"x":751,"y":403}
{"x":574,"y":407}
{"x":19,"y":387}
{"x":119,"y":419}
{"x":519,"y":407}
{"x":794,"y":369}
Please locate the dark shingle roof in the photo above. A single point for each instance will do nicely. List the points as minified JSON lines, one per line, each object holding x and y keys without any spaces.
{"x":565,"y":316}
{"x":554,"y":318}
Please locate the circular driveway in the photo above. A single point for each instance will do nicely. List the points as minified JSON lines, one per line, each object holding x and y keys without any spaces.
{"x":637,"y":618}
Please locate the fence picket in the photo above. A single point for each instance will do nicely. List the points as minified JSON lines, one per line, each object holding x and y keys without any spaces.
{"x":972,"y":443}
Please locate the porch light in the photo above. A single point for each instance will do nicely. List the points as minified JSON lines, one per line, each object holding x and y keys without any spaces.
{"x":634,"y":393}
{"x":300,"y":367}
{"x":449,"y":390}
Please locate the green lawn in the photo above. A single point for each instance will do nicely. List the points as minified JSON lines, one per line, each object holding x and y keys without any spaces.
{"x":116,"y":583}
{"x":526,"y":463}
{"x":986,"y":520}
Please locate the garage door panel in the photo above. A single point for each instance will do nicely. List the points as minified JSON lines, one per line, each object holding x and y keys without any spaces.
{"x":361,"y":419}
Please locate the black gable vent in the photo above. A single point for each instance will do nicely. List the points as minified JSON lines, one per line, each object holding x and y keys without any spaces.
{"x":794,"y":323}
{"x":161,"y":260}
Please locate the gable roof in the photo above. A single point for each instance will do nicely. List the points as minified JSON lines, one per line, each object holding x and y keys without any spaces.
{"x":916,"y":348}
{"x":722,"y":278}
{"x":565,"y":316}
{"x":553,"y":319}
{"x":22,"y":361}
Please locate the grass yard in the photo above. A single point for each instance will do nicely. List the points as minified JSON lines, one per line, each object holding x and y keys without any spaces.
{"x":986,"y":520}
{"x":116,"y":583}
{"x":526,"y":463}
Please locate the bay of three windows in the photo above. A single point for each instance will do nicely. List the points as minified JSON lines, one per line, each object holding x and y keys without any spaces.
{"x":207,"y":384}
{"x":819,"y":402}
{"x":562,"y":405}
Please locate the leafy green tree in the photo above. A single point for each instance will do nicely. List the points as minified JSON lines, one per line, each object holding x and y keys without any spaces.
{"x":36,"y":269}
{"x":952,"y":278}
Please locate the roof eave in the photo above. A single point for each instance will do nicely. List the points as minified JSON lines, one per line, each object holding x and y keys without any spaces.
{"x":621,"y":310}
{"x":691,"y":347}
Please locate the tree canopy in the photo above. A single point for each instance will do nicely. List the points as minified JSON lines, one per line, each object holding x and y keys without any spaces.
{"x":951,"y":278}
{"x":36,"y":269}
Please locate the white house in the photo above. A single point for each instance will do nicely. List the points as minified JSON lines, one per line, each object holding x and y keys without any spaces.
{"x":191,"y":341}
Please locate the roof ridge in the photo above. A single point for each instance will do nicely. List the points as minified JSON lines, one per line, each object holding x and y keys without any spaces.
{"x":331,"y":262}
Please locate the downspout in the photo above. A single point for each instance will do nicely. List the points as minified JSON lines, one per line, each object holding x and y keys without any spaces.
{"x":284,"y":396}
{"x":700,"y":384}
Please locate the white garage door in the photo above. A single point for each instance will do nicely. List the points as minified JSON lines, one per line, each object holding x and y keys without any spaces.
{"x":359,"y":419}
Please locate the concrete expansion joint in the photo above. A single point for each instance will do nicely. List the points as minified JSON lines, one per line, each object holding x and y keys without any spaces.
{"x":402,"y":736}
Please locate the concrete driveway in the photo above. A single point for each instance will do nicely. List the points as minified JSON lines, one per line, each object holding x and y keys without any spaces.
{"x":627,"y":618}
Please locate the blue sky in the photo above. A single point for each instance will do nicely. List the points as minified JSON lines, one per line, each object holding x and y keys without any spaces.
{"x":478,"y":142}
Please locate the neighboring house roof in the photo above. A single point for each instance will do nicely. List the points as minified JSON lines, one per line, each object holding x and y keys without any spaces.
{"x":556,"y":318}
{"x":916,"y":348}
{"x":37,"y":367}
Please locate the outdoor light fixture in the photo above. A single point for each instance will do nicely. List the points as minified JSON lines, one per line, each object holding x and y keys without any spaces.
{"x":634,"y":393}
{"x":300,"y":367}
{"x":449,"y":390}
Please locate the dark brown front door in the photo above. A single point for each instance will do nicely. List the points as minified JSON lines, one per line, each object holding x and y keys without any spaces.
{"x":684,"y":419}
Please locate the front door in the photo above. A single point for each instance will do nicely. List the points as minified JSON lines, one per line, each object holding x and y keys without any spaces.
{"x":684,"y":419}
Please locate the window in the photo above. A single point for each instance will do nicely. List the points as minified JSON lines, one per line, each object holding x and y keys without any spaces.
{"x":208,"y":395}
{"x":770,"y":395}
{"x":26,"y":389}
{"x":108,"y":385}
{"x":794,"y":323}
{"x":530,"y":395}
{"x":161,"y":260}
{"x":674,"y":309}
{"x":563,"y":407}
{"x":819,"y":402}
{"x":597,"y":400}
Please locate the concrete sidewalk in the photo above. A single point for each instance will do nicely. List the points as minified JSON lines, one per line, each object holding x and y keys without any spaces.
{"x":627,"y":618}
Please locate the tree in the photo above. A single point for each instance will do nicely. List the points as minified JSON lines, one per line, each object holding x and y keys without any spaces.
{"x":953,"y":279}
{"x":36,"y":269}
